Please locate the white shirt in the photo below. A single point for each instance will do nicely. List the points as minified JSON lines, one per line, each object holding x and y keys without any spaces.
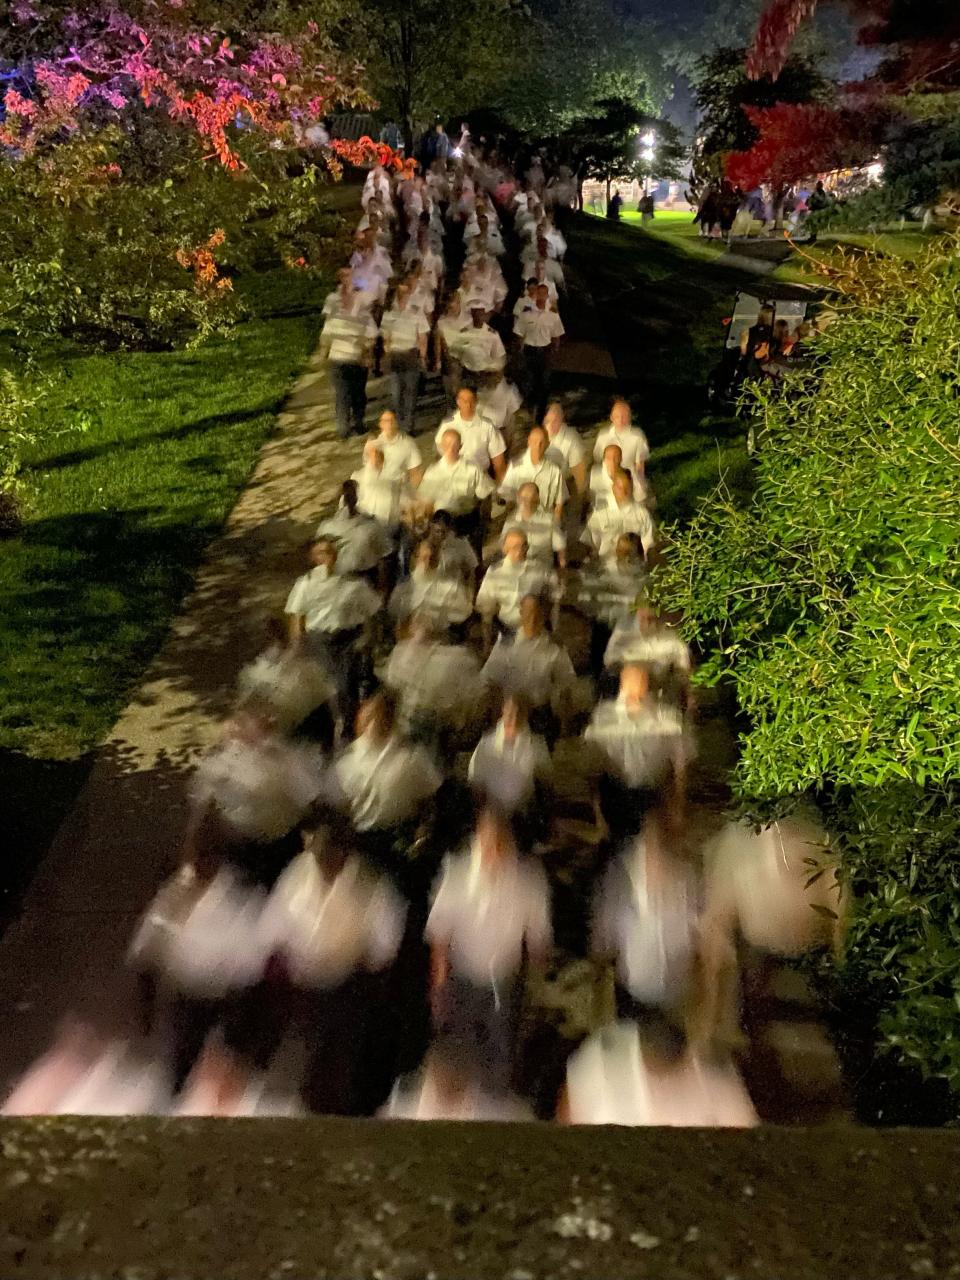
{"x":479,"y":438}
{"x":482,"y":350}
{"x":565,"y":449}
{"x":659,"y":648}
{"x":330,"y":602}
{"x":507,"y":770}
{"x":441,"y":680}
{"x":650,"y":924}
{"x":487,"y":917}
{"x":350,"y":337}
{"x":546,"y":475}
{"x":418,"y":1098}
{"x":403,"y":329}
{"x":609,"y":591}
{"x":499,"y":403}
{"x":538,"y":328}
{"x":456,"y":558}
{"x":385,"y":783}
{"x":379,"y":495}
{"x":262,"y":789}
{"x":328,"y":929}
{"x":361,"y":541}
{"x":608,"y":522}
{"x":535,"y":666}
{"x":445,"y":600}
{"x":217,"y":948}
{"x":601,"y":487}
{"x":544,"y":536}
{"x":455,"y":487}
{"x":505,"y":584}
{"x":640,"y":746}
{"x":292,"y":683}
{"x":634,"y":448}
{"x":400,"y":454}
{"x":608,"y":1082}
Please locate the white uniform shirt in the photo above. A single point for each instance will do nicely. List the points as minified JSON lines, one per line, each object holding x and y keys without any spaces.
{"x":217,"y":947}
{"x":380,"y":495}
{"x":505,"y":584}
{"x":546,"y":475}
{"x":456,"y":487}
{"x":609,"y":1083}
{"x":601,"y":487}
{"x":507,"y":770}
{"x":535,"y":666}
{"x":487,"y":917}
{"x":328,"y":929}
{"x":565,"y":449}
{"x":361,"y":541}
{"x":639,"y":746}
{"x":456,"y":558}
{"x":608,"y":522}
{"x":330,"y":602}
{"x":609,"y":592}
{"x":262,"y":789}
{"x":400,"y":454}
{"x":544,"y":536}
{"x":292,"y":683}
{"x":479,"y":438}
{"x":536,"y":328}
{"x":402,"y":330}
{"x":445,"y":600}
{"x":660,"y":649}
{"x":632,"y":442}
{"x":384,"y":784}
{"x":435,"y":679}
{"x":351,"y":337}
{"x":482,"y":350}
{"x":499,"y":403}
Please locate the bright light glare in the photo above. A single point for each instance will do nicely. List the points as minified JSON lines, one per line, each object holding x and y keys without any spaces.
{"x":647,"y":154}
{"x":457,"y":152}
{"x":649,"y":139}
{"x":875,"y":170}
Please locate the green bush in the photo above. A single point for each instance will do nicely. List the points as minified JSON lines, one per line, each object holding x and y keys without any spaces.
{"x":831,"y":601}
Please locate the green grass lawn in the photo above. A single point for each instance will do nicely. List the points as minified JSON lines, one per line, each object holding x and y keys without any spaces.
{"x":662,"y":301}
{"x":120,"y":513}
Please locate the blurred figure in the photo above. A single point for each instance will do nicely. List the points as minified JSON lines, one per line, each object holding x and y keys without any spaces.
{"x":480,"y":441}
{"x":481,"y":348}
{"x":533,"y":665}
{"x":642,"y":639}
{"x":296,"y":688}
{"x":223,"y":1084}
{"x":498,"y":400}
{"x":546,"y":541}
{"x":536,"y":468}
{"x":632,"y":1075}
{"x":346,"y":343}
{"x":330,"y":919}
{"x":539,"y":331}
{"x":455,"y":556}
{"x":446,"y":1089}
{"x":608,"y":593}
{"x":449,"y":340}
{"x":565,"y":448}
{"x":646,"y":921}
{"x":490,"y":913}
{"x":512,"y":770}
{"x":643,"y":748}
{"x":457,"y":486}
{"x":406,"y":332}
{"x":634,"y":449}
{"x":438,"y":686}
{"x":362,"y":542}
{"x":622,"y":514}
{"x":379,"y":494}
{"x":401,"y":455}
{"x":505,"y":584}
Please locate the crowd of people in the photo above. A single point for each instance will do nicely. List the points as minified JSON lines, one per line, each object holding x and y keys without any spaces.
{"x":365,"y":894}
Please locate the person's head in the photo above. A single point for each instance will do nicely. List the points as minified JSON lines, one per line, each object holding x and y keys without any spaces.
{"x":345,"y":281}
{"x":349,"y":492}
{"x":781,"y":330}
{"x":622,"y":488}
{"x":323,"y":554}
{"x":537,"y":440}
{"x":402,"y":295}
{"x":450,"y":445}
{"x":373,"y":455}
{"x":532,"y":284}
{"x":389,"y":426}
{"x":531,"y":617}
{"x":646,"y":615}
{"x":528,"y":499}
{"x":440,"y":527}
{"x":424,"y":555}
{"x":453,"y":305}
{"x":494,"y":837}
{"x":365,"y":241}
{"x":377,"y":716}
{"x":466,"y":403}
{"x":553,"y":419}
{"x":478,"y":315}
{"x":628,"y":549}
{"x":540,"y":269}
{"x":438,"y":128}
{"x":514,"y":716}
{"x":634,"y":685}
{"x":766,"y":316}
{"x":514,"y":546}
{"x":542,"y":297}
{"x":620,"y":415}
{"x":612,"y":459}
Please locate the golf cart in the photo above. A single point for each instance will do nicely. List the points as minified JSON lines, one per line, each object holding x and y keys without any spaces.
{"x":787,"y":302}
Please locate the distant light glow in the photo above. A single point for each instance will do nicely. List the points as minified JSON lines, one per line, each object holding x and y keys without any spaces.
{"x":647,"y":154}
{"x":457,"y":152}
{"x":875,"y":170}
{"x":649,"y":138}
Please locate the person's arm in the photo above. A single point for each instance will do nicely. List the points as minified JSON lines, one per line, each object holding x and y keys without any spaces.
{"x":296,"y":627}
{"x":499,"y":465}
{"x":579,"y":473}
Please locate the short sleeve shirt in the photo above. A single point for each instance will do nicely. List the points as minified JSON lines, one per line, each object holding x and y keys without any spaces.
{"x":545,"y":474}
{"x":400,"y":454}
{"x":402,"y":330}
{"x":458,"y":488}
{"x":329,"y":602}
{"x":479,"y":439}
{"x":565,"y":449}
{"x":538,"y":328}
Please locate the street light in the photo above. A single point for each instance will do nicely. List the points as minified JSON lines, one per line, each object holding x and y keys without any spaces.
{"x":649,"y":138}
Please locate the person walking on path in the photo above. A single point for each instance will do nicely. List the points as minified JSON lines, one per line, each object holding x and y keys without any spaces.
{"x":347,"y":344}
{"x":539,"y":330}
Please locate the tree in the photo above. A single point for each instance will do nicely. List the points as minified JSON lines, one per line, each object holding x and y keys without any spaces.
{"x":724,"y":93}
{"x":831,"y":603}
{"x":608,"y":145}
{"x":796,"y":140}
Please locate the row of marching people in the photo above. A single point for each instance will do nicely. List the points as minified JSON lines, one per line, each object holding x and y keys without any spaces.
{"x":367,"y":895}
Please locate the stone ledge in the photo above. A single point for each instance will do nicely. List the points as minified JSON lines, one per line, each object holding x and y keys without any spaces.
{"x":141,"y":1199}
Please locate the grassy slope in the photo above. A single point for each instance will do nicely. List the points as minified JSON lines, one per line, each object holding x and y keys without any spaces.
{"x":662,"y":303}
{"x":122,"y":513}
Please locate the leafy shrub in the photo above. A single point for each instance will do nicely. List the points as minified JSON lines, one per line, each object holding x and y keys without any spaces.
{"x":832,"y":603}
